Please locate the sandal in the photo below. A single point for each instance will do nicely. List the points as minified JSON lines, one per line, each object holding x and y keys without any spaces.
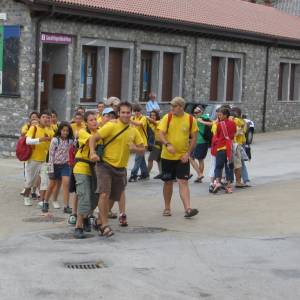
{"x":216,"y":188}
{"x":123,"y":220}
{"x":106,"y":231}
{"x":167,"y":213}
{"x":228,"y":190}
{"x":199,"y":179}
{"x":191,"y":212}
{"x":112,"y":215}
{"x":240,"y":186}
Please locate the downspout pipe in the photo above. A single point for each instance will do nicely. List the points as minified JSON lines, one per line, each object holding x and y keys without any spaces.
{"x":37,"y":56}
{"x":264,"y":108}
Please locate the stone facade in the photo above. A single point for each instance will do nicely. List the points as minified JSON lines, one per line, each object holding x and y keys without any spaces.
{"x":196,"y":62}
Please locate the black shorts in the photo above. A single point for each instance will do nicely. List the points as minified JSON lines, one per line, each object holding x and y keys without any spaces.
{"x":172,"y":169}
{"x":200,"y":151}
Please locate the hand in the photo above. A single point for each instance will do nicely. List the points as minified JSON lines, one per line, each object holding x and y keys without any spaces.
{"x":94,"y":157}
{"x":132,"y":147}
{"x":185,"y":158}
{"x":171,"y":148}
{"x":45,"y":139}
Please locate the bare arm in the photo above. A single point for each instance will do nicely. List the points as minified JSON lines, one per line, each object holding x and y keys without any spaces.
{"x":92,"y":144}
{"x":138,"y":149}
{"x":163,"y":139}
{"x":208,"y":123}
{"x":135,"y":123}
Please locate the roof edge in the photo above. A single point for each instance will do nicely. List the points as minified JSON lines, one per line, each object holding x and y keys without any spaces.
{"x":137,"y":19}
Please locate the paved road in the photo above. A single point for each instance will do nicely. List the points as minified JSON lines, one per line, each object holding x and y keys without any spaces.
{"x":242,"y":246}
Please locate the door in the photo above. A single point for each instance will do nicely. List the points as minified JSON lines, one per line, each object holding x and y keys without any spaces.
{"x":44,"y":87}
{"x":115,"y":73}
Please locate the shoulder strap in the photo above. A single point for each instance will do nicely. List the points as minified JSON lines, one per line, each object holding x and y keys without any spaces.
{"x":191,"y":123}
{"x":224,"y":129}
{"x":170,"y":116}
{"x":118,"y":134}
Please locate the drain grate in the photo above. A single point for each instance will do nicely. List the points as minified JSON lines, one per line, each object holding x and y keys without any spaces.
{"x":44,"y":219}
{"x":85,"y":265}
{"x":141,"y":230}
{"x":65,"y":236}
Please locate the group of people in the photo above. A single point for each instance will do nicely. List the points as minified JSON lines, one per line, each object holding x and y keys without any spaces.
{"x":88,"y":157}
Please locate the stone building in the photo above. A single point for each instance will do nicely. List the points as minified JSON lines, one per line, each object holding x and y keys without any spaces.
{"x":61,"y":53}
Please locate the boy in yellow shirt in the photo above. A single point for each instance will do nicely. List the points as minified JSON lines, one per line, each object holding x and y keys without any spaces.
{"x":175,"y":131}
{"x":119,"y":139}
{"x":39,"y":137}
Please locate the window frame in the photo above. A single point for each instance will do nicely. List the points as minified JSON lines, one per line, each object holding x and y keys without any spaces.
{"x":228,"y":55}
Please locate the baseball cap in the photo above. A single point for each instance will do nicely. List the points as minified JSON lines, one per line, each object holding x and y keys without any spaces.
{"x":107,"y":111}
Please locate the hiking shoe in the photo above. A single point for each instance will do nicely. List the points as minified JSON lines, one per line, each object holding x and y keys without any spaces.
{"x":159,"y":176}
{"x":133,"y":179}
{"x":143,"y":177}
{"x":67,"y":210}
{"x":86,"y":225}
{"x":123,"y":220}
{"x":55,"y":204}
{"x":78,"y":233}
{"x":34,"y":196}
{"x":45,"y":208}
{"x":72,"y":219}
{"x":27,"y":201}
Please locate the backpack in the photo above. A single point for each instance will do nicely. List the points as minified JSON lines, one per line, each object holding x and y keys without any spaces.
{"x":24,"y":151}
{"x":150,"y":137}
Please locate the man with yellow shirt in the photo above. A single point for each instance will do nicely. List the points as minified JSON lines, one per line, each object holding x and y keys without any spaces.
{"x":176,"y":128}
{"x":140,"y":123}
{"x":78,"y":124}
{"x":100,"y":107}
{"x":119,"y":139}
{"x":39,"y":137}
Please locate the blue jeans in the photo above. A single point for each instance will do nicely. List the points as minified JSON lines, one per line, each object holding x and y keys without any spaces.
{"x":139,"y":163}
{"x":244,"y":174}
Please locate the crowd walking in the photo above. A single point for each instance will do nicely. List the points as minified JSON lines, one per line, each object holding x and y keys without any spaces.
{"x":88,"y":157}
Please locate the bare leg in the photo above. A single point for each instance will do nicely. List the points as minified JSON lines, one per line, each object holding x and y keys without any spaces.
{"x":103,"y":205}
{"x":57,"y":190}
{"x":150,"y":165}
{"x":168,"y":191}
{"x":195,"y":166}
{"x":201,"y":167}
{"x":65,"y":184}
{"x":184,"y":192}
{"x":122,"y":203}
{"x":238,"y":176}
{"x":50,"y":189}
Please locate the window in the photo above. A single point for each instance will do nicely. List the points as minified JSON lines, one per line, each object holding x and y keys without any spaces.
{"x":9,"y":59}
{"x":226,"y":78}
{"x":88,"y":74}
{"x":146,"y":75}
{"x":289,"y":81}
{"x":167,"y":85}
{"x":114,"y":88}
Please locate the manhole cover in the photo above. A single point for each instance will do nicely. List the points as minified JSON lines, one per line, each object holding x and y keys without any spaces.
{"x":66,"y":236}
{"x":44,"y":219}
{"x":85,"y":265}
{"x":141,"y":230}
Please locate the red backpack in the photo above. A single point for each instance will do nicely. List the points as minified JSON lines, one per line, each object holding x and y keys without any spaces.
{"x":23,"y":151}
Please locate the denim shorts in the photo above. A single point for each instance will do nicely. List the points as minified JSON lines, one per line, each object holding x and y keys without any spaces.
{"x":61,"y":170}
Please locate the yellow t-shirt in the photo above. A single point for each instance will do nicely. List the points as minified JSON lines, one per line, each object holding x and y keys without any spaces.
{"x":117,"y":152}
{"x":99,"y":120}
{"x":83,"y":152}
{"x":40,"y":151}
{"x":25,"y":129}
{"x":155,"y":129}
{"x":76,"y":128}
{"x":177,"y":135}
{"x":141,"y":129}
{"x":54,"y":127}
{"x":240,"y":137}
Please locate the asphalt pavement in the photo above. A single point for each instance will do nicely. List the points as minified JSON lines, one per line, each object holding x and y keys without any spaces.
{"x":240,"y":246}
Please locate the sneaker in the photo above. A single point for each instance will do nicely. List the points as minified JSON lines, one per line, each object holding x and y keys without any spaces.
{"x":55,"y":204}
{"x":78,"y":233}
{"x":86,"y":225}
{"x":211,"y":188}
{"x":143,"y":177}
{"x":67,"y":210}
{"x":123,"y":220}
{"x":159,"y":176}
{"x":23,"y":192}
{"x":27,"y":201}
{"x":45,"y":208}
{"x":34,"y":196}
{"x":133,"y":179}
{"x":72,"y":219}
{"x":40,"y":204}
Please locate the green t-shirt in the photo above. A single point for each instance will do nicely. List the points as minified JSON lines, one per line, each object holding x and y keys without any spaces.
{"x":201,"y":127}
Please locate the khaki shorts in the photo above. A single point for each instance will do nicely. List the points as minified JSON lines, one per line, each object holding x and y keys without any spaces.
{"x":32,"y":172}
{"x":111,"y":181}
{"x":44,"y":177}
{"x":237,"y":158}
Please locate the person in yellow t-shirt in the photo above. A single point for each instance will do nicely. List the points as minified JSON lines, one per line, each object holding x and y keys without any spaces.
{"x":154,"y":119}
{"x":84,"y":177}
{"x":140,"y":123}
{"x":33,"y":120}
{"x":54,"y":121}
{"x":78,"y":124}
{"x":119,"y":139}
{"x":39,"y":137}
{"x":175,"y":131}
{"x":100,"y":107}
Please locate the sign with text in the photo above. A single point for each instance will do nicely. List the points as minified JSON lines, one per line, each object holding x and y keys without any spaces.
{"x":54,"y":38}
